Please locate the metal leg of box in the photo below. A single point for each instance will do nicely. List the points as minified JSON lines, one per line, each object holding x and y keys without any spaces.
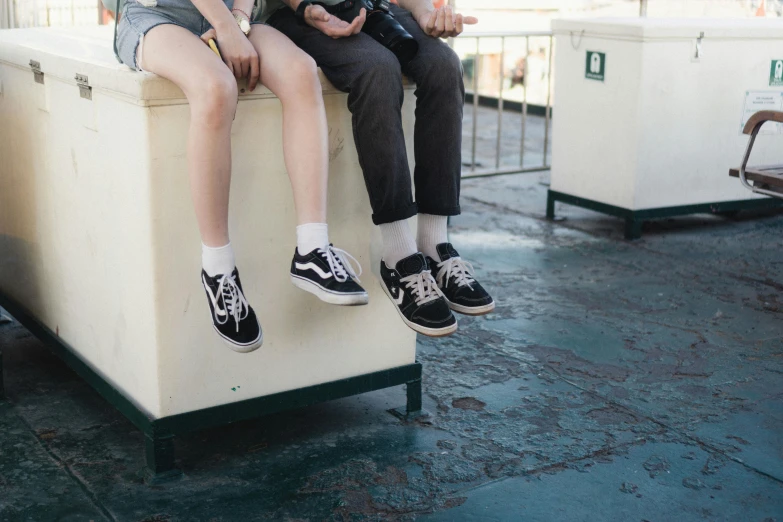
{"x":2,"y":384}
{"x":550,"y":205}
{"x":413,"y":392}
{"x":633,"y":228}
{"x":159,"y":457}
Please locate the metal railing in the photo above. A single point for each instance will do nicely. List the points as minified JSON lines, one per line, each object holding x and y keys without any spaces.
{"x":474,"y":169}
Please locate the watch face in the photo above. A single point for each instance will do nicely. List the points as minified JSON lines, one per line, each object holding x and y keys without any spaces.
{"x":244,"y":25}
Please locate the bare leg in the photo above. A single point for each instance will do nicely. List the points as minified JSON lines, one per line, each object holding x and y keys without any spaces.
{"x":292,"y":76}
{"x":176,"y":54}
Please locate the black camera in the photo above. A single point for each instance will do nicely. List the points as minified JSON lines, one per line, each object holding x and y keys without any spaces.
{"x":380,"y":24}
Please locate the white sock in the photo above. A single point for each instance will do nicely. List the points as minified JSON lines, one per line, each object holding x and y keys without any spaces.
{"x":217,"y":261}
{"x":398,"y":242}
{"x":311,"y":236}
{"x":433,"y":230}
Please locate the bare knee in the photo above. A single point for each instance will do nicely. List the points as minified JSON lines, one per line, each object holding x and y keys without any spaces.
{"x":214,"y":99}
{"x":301,"y":80}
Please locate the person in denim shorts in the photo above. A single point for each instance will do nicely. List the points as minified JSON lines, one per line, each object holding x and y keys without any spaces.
{"x":169,"y":38}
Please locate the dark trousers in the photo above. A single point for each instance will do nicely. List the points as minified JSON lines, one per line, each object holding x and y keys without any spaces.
{"x":372,"y":77}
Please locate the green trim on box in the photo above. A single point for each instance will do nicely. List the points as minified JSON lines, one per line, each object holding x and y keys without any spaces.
{"x":635,"y":218}
{"x":159,"y":433}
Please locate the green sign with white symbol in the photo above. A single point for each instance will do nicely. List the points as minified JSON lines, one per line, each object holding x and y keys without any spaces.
{"x":776,"y":73}
{"x":595,"y":68}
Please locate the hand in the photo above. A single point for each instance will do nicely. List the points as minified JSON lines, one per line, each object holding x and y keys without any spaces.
{"x":316,"y":16}
{"x":237,"y":52}
{"x":444,"y":22}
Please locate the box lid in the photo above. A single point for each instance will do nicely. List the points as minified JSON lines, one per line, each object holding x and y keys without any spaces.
{"x":63,"y":53}
{"x":644,"y":29}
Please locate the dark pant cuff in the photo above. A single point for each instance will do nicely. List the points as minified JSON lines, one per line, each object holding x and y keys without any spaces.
{"x":397,"y":214}
{"x":439,"y":211}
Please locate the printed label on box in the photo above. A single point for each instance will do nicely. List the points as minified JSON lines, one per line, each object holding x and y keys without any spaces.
{"x":595,"y":68}
{"x":776,"y":73}
{"x":756,"y":101}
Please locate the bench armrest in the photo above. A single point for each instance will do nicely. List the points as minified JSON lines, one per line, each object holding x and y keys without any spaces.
{"x":761,"y":117}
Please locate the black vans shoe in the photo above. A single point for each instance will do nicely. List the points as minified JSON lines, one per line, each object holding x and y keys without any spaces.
{"x":455,"y":280}
{"x":415,"y":293}
{"x":232,"y":317}
{"x":329,"y":275}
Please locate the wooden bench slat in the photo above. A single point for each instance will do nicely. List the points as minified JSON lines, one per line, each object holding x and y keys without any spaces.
{"x":771,"y":175}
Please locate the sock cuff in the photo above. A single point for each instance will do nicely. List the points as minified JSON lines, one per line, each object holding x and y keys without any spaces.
{"x":398,"y":241}
{"x":312,"y":226}
{"x":311,"y":236}
{"x":212,"y":249}
{"x":217,"y":260}
{"x":432,"y":231}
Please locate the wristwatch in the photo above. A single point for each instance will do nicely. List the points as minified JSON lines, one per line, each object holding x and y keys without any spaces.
{"x":242,"y":21}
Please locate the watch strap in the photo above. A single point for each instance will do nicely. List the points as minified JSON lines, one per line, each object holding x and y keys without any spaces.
{"x":240,"y":11}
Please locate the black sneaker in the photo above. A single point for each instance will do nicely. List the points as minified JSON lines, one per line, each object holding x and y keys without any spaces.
{"x":328,"y":274}
{"x":415,"y":293}
{"x":232,"y":317}
{"x":455,"y":279}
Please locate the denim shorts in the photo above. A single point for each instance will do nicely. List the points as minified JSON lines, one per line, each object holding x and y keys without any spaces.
{"x":139,"y":16}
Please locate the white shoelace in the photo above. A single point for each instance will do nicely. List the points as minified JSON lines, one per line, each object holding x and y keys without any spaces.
{"x":461,"y":270}
{"x":340,"y":263}
{"x":423,"y":287}
{"x":234,"y":300}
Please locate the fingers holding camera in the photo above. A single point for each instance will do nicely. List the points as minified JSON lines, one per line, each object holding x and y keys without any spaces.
{"x":359,"y":21}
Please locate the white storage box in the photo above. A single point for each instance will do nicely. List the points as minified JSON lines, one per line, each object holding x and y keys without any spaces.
{"x":99,"y":244}
{"x":649,"y":111}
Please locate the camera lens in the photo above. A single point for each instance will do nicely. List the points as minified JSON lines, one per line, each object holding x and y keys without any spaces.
{"x":388,"y":31}
{"x":405,"y":49}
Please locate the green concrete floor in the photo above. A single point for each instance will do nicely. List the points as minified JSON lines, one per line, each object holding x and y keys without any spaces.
{"x":616,"y":381}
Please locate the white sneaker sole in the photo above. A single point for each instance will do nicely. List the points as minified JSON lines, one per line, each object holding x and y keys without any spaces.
{"x":471,"y":310}
{"x":328,"y":296}
{"x":429,"y":332}
{"x":243,"y":348}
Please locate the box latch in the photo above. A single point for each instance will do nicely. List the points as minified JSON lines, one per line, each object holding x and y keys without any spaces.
{"x":85,"y":91}
{"x":37,"y":73}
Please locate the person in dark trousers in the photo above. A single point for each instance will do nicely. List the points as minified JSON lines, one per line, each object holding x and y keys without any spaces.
{"x":423,"y":275}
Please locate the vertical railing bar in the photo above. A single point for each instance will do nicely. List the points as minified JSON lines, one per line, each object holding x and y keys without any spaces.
{"x":548,"y":101}
{"x":498,"y":150}
{"x":476,"y":63}
{"x":524,"y":101}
